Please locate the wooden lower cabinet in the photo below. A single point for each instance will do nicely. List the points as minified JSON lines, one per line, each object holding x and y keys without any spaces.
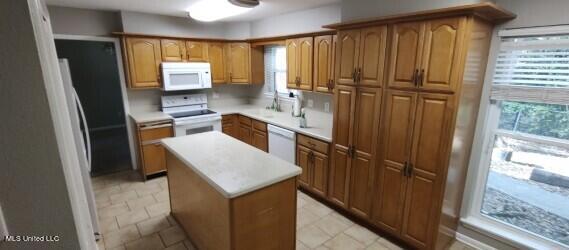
{"x":152,"y":153}
{"x":312,"y":157}
{"x":247,"y":130}
{"x":230,"y":125}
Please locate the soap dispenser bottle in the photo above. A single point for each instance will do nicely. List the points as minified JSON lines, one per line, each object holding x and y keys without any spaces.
{"x":296,"y":105}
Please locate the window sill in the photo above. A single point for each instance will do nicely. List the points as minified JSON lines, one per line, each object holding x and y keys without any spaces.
{"x":514,"y":237}
{"x":282,"y":97}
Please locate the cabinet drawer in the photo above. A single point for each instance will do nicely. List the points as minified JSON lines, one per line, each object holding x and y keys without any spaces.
{"x":227,"y":118}
{"x":155,"y":133}
{"x":245,"y":120}
{"x":258,"y":125}
{"x":313,"y":144}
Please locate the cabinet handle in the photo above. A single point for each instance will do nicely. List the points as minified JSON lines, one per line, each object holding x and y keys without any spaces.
{"x":415,"y":80}
{"x":410,"y":170}
{"x":331,"y":84}
{"x":311,"y":156}
{"x":359,"y":75}
{"x":354,"y":75}
{"x":405,"y":167}
{"x":230,"y":76}
{"x":421,"y":77}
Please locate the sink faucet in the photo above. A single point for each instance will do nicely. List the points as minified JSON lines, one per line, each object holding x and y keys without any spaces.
{"x":276,"y":106}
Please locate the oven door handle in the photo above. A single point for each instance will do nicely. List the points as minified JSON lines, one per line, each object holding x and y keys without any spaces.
{"x":193,"y":122}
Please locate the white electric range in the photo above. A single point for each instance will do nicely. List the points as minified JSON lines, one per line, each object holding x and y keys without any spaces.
{"x":190,"y":114}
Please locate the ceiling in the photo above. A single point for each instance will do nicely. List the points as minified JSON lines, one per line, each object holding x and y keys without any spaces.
{"x":267,"y":8}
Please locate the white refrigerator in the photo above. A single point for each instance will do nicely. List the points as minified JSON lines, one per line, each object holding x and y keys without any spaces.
{"x":82,"y":141}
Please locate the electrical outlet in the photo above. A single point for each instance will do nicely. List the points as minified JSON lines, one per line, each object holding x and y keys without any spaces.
{"x":310,"y":103}
{"x":215,"y":95}
{"x":327,"y":107}
{"x":3,"y":226}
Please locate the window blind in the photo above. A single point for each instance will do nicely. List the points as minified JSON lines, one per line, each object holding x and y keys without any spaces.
{"x":534,"y":68}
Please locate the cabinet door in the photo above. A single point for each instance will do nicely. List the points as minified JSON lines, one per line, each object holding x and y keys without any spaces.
{"x":345,"y":100}
{"x":372,"y":56}
{"x":429,"y":157}
{"x":442,"y":54}
{"x":305,"y":64}
{"x":405,"y":59}
{"x":396,"y":144}
{"x":292,"y":81}
{"x":196,"y":51}
{"x":259,"y":140}
{"x":319,"y":176}
{"x":144,"y":59}
{"x":239,"y":63}
{"x":368,"y":103}
{"x":154,"y":158}
{"x":347,"y":51}
{"x":303,"y":160}
{"x":323,"y":63}
{"x":217,"y":60}
{"x":245,"y":133}
{"x":172,"y":50}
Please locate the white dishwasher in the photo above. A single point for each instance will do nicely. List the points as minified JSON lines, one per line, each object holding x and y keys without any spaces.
{"x":282,"y":143}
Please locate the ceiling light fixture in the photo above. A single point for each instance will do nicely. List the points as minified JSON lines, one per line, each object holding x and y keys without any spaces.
{"x":212,"y":10}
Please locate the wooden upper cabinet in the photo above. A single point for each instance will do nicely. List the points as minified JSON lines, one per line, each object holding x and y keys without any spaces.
{"x":440,"y":69}
{"x":292,"y":63}
{"x":405,"y":59}
{"x":144,"y":59}
{"x":345,"y":101}
{"x":367,"y":117}
{"x":347,"y":50}
{"x":430,"y":146}
{"x":305,"y":56}
{"x":196,"y":51}
{"x":299,"y":62}
{"x":239,"y":63}
{"x":372,"y":56}
{"x":173,"y":50}
{"x":217,"y":61}
{"x":396,"y":140}
{"x":323,"y":63}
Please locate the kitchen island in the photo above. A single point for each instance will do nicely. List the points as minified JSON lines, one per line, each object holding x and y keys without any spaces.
{"x":229,"y":195}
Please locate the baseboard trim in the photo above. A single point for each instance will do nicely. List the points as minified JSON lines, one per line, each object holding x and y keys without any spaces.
{"x":472,"y":242}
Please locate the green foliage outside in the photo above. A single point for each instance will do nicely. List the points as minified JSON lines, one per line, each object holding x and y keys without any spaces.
{"x":538,"y":119}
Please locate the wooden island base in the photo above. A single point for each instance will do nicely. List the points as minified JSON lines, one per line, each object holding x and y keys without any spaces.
{"x":262,"y":219}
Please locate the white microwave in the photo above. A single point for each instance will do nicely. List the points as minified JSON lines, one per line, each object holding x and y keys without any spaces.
{"x":185,"y":75}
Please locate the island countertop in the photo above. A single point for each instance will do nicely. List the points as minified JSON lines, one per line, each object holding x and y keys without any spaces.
{"x":232,"y":167}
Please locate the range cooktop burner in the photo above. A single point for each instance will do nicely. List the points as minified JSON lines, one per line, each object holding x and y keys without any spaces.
{"x":192,"y":113}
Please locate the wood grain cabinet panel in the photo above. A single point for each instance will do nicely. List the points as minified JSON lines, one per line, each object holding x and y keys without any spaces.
{"x":217,"y":60}
{"x":173,"y":50}
{"x":372,"y":56}
{"x":151,"y":153}
{"x":260,"y":140}
{"x":345,"y":100}
{"x":396,"y":144}
{"x":303,"y":156}
{"x":323,"y":63}
{"x":299,"y":53}
{"x":292,"y":49}
{"x":154,"y":157}
{"x":144,"y":59}
{"x":347,"y":52}
{"x":239,"y":63}
{"x":196,"y":51}
{"x":245,"y":133}
{"x":405,"y":60}
{"x":367,"y":116}
{"x":429,"y":148}
{"x":319,"y":178}
{"x":230,"y":125}
{"x":442,"y":54}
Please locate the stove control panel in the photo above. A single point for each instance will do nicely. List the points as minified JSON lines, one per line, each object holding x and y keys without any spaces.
{"x":183,"y":100}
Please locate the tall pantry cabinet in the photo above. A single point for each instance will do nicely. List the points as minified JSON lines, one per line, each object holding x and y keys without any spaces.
{"x":400,"y":148}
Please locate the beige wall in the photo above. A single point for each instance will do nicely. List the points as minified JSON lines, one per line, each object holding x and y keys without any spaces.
{"x":83,"y":22}
{"x":33,"y":192}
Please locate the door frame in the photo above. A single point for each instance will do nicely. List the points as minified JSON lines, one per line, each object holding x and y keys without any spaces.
{"x":122,"y":79}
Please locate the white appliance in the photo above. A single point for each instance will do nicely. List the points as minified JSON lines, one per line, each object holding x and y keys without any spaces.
{"x":185,"y":75}
{"x":190,"y":114}
{"x":282,"y":143}
{"x":82,"y":140}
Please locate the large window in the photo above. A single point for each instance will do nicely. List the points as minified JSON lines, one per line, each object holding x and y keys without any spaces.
{"x":275,"y":70}
{"x":523,"y":182}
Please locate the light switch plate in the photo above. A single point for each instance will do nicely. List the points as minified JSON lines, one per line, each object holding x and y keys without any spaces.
{"x":310,"y":103}
{"x":3,"y":226}
{"x":326,"y":107}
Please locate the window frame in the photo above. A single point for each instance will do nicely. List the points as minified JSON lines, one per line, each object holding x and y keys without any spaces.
{"x":282,"y":96}
{"x":486,"y":131}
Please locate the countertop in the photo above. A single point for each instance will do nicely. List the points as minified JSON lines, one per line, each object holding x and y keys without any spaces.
{"x":149,"y":116}
{"x":319,"y":123}
{"x":230,"y":166}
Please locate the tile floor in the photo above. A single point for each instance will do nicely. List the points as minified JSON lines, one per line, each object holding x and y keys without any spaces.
{"x":135,"y":215}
